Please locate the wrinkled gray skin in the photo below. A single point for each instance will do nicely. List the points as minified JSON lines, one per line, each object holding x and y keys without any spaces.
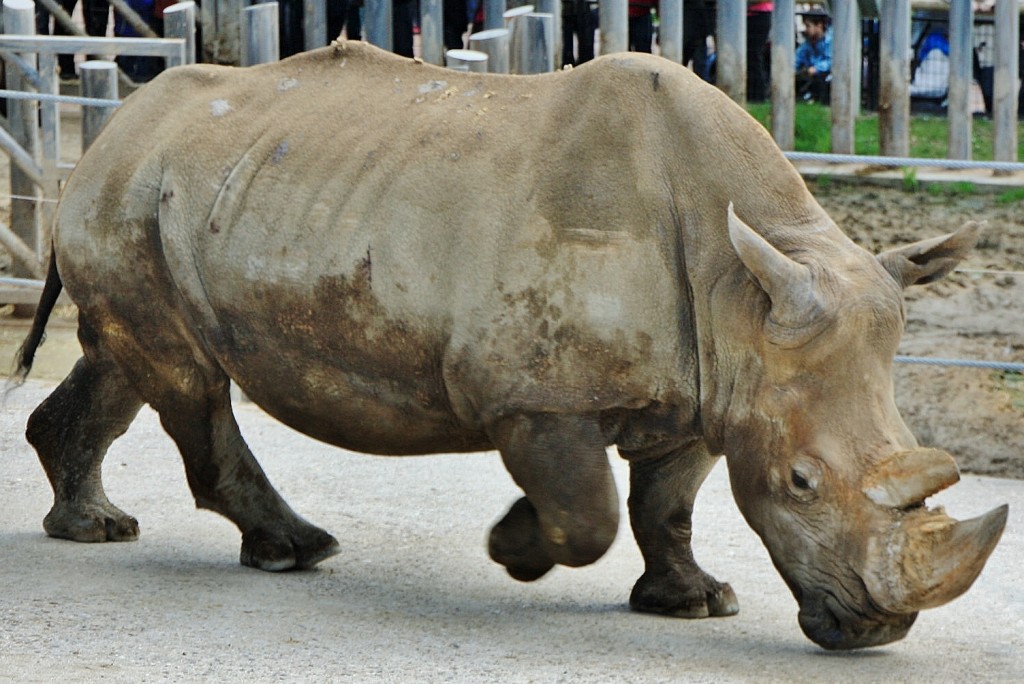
{"x":399,"y":259}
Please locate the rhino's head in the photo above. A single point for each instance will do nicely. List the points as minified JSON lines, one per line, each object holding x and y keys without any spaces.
{"x":821,"y":464}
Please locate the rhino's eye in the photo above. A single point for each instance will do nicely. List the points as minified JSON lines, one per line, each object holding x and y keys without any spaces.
{"x":803,"y":482}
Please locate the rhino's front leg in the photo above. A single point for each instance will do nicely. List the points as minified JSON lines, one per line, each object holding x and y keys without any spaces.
{"x":570,"y":513}
{"x":662,"y":492}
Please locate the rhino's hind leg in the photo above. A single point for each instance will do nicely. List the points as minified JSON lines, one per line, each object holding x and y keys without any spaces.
{"x":662,"y":492}
{"x":224,"y":477}
{"x":71,"y":431}
{"x":570,"y":513}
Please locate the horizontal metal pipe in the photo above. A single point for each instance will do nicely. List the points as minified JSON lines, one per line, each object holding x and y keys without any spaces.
{"x":140,"y":47}
{"x":904,"y":161}
{"x":67,"y":99}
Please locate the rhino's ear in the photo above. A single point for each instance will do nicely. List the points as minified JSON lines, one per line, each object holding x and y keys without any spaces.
{"x":794,"y":299}
{"x":928,"y":260}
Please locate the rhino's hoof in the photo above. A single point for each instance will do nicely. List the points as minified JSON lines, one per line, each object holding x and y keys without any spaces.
{"x":277,"y":551}
{"x":90,"y":523}
{"x":663,"y":596}
{"x":515,"y":542}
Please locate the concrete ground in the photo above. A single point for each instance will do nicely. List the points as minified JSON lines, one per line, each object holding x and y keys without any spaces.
{"x":413,"y":596}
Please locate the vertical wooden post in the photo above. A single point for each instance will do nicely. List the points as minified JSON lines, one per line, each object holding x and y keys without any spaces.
{"x":613,"y":24}
{"x":670,"y":32}
{"x":731,"y":49}
{"x":180,"y":22}
{"x":222,"y":30}
{"x":783,"y":67}
{"x":846,"y":64}
{"x":261,"y":41}
{"x":961,"y":24}
{"x":99,"y":80}
{"x":431,"y":32}
{"x":23,"y":118}
{"x":894,"y":86}
{"x":1004,"y":87}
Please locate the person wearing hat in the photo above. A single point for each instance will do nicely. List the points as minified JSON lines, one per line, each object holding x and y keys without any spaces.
{"x":814,"y":58}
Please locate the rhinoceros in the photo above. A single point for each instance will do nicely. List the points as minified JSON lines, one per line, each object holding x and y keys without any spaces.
{"x":400,"y":259}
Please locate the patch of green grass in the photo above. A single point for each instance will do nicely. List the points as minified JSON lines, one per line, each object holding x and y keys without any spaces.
{"x":959,"y":189}
{"x":929,"y":133}
{"x":910,"y":181}
{"x":1011,"y":196}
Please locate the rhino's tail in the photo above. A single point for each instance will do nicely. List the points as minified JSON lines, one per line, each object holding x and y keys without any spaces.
{"x":27,"y":352}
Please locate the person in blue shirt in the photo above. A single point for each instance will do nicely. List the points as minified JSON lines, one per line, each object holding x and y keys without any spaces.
{"x":814,"y":59}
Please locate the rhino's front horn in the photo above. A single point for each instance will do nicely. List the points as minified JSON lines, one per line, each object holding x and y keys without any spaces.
{"x":928,"y":559}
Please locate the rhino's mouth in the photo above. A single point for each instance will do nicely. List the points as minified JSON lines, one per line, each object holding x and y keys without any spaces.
{"x":830,"y":625}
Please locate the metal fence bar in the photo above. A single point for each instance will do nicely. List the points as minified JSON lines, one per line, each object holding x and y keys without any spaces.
{"x":23,"y":119}
{"x":49,"y":116}
{"x":553,"y":8}
{"x":534,"y":54}
{"x":24,"y":161}
{"x":494,"y":43}
{"x":66,"y":99}
{"x":168,"y":48}
{"x":25,"y":290}
{"x":314,"y":24}
{"x":26,"y":258}
{"x":964,"y":363}
{"x":261,"y":42}
{"x":494,"y":14}
{"x":1011,"y":167}
{"x":49,"y":131}
{"x":180,"y":22}
{"x":378,"y":23}
{"x":516,"y":25}
{"x":467,"y":60}
{"x":28,"y":70}
{"x":99,"y":81}
{"x":670,"y":31}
